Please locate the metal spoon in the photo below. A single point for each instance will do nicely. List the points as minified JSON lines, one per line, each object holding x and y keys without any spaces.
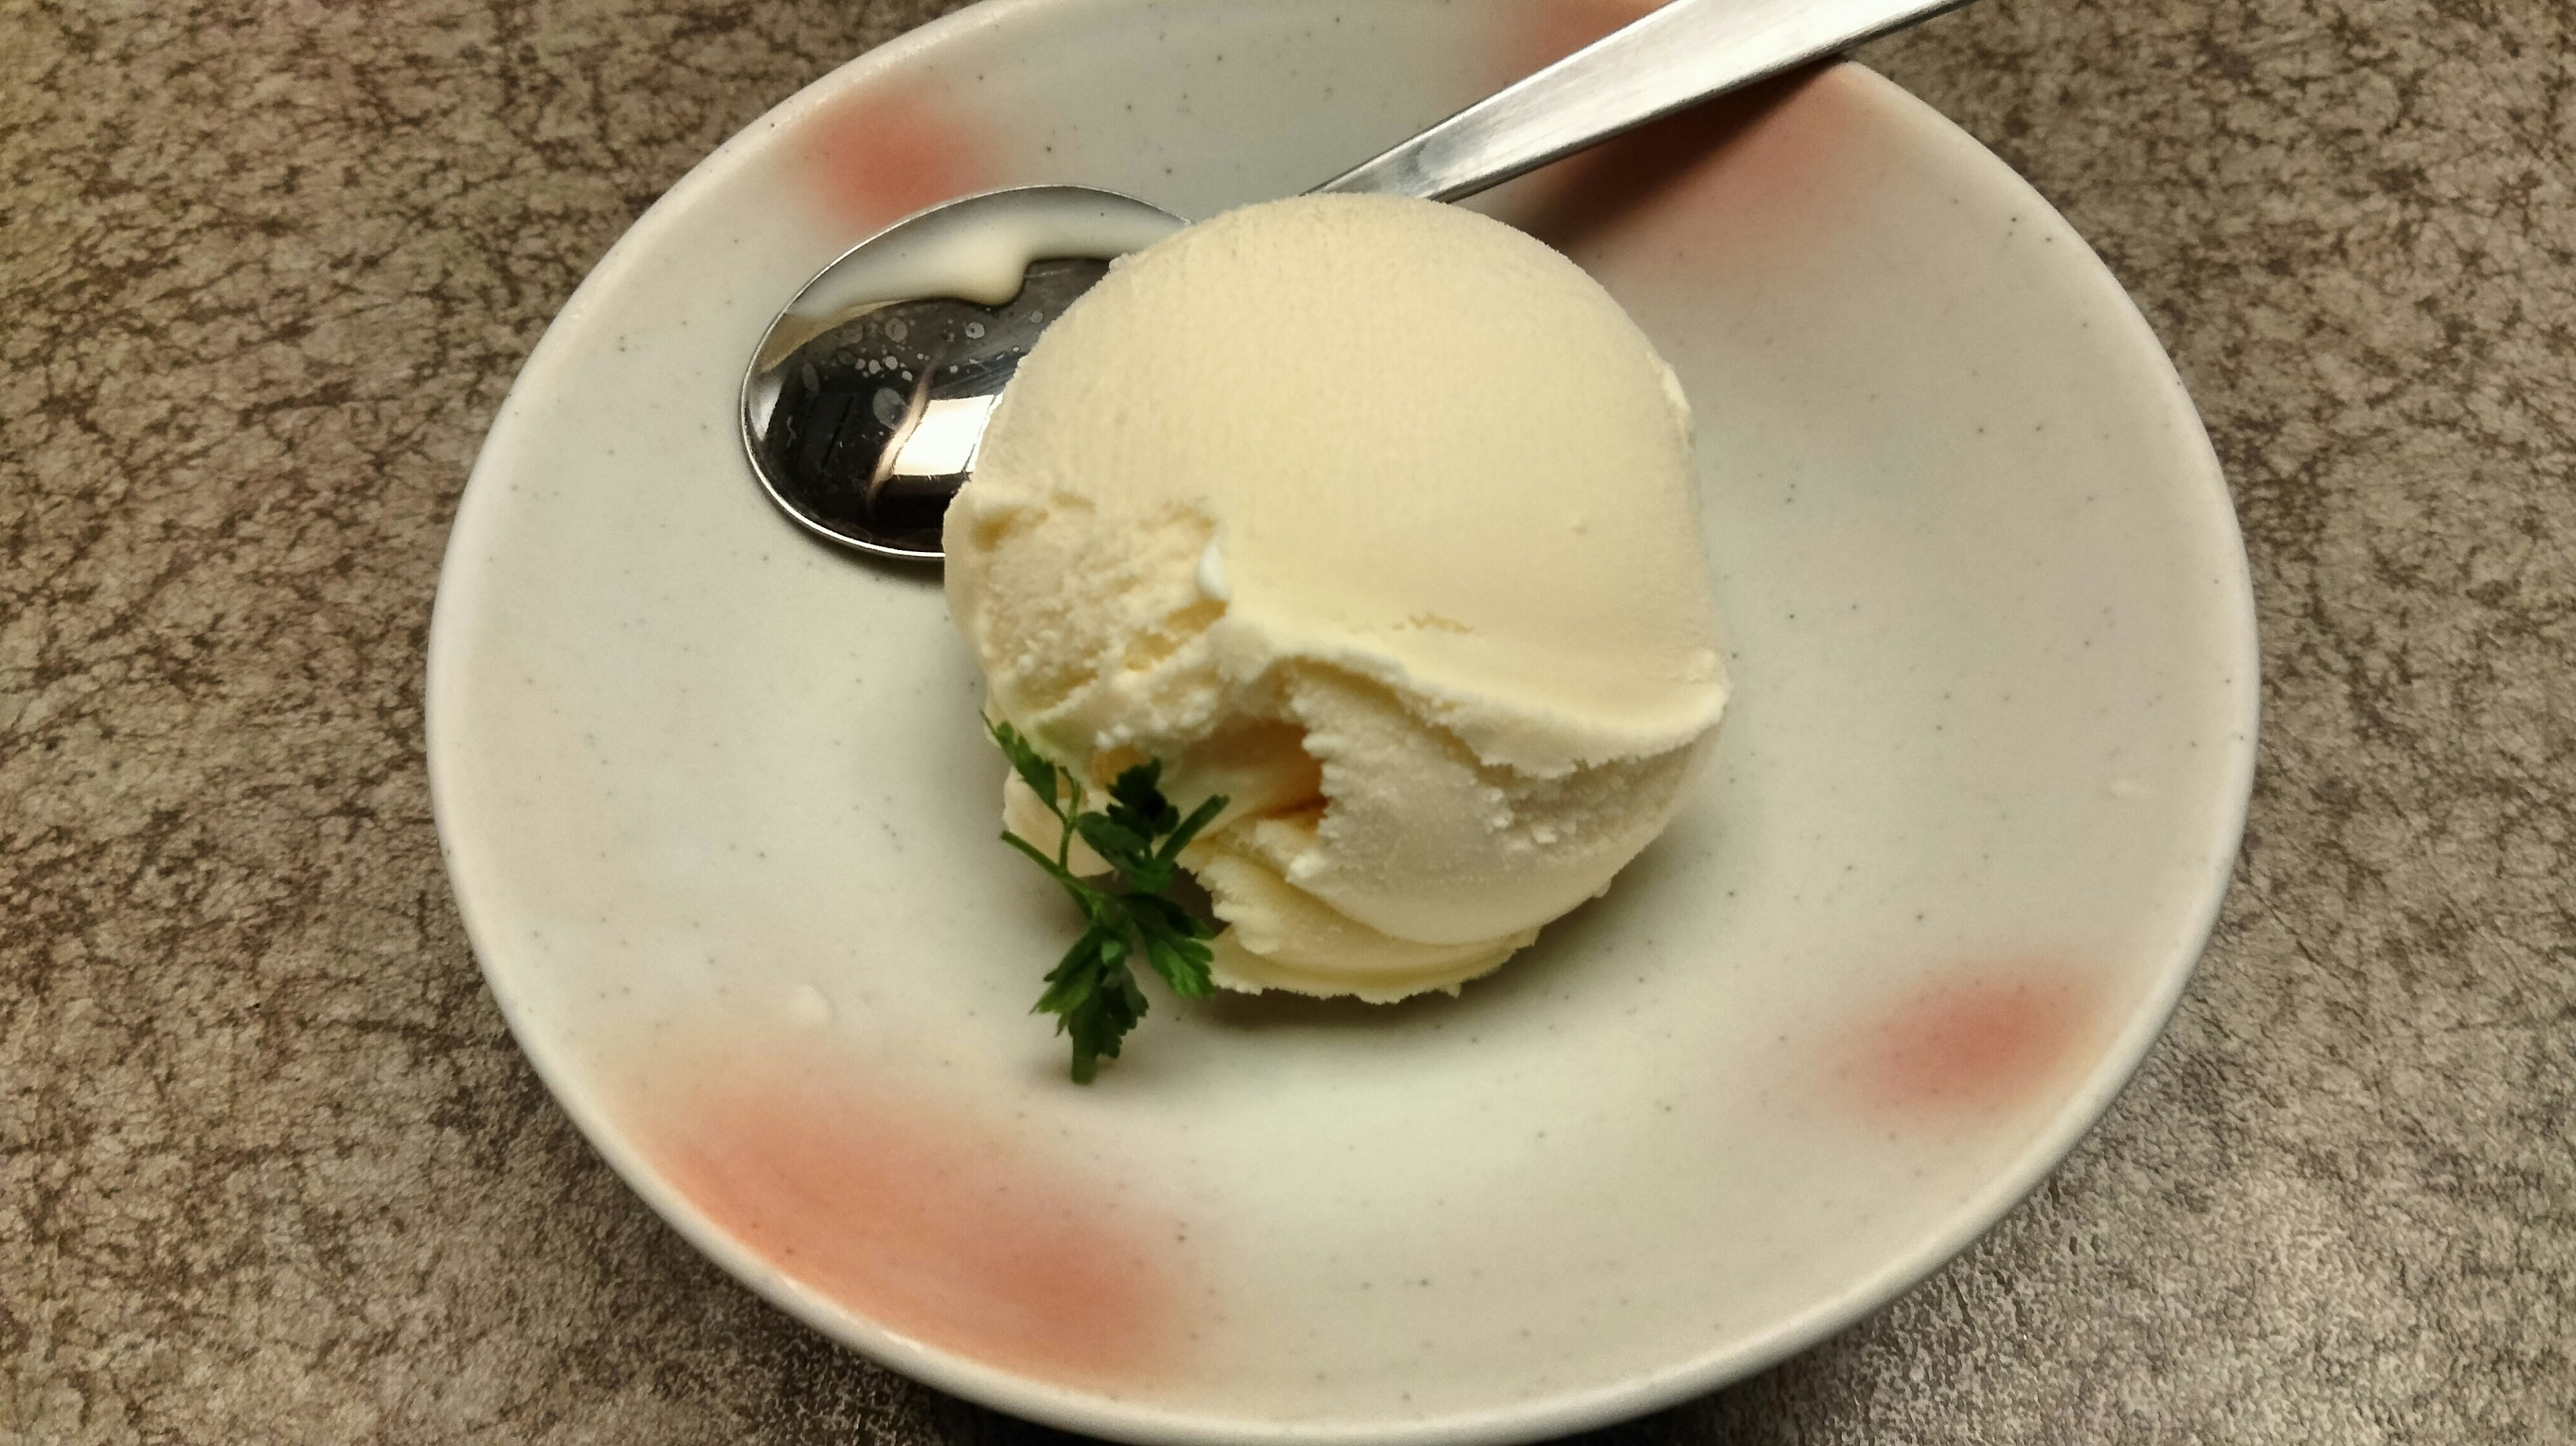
{"x":864,"y":406}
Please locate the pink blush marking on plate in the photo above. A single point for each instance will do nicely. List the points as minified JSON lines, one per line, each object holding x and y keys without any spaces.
{"x":911,"y":1214}
{"x":1974,"y":1043}
{"x":876,"y":155}
{"x":1741,"y":186}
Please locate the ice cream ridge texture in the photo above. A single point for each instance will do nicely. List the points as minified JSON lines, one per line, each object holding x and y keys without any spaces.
{"x":1377,"y":517}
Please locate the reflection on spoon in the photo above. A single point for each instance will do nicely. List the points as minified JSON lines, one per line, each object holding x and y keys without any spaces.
{"x":865,"y":405}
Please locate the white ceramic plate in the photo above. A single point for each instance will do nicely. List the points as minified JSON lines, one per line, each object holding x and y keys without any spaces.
{"x":722,"y":822}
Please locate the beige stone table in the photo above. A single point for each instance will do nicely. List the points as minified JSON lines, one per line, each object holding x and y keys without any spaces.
{"x":272,"y":1171}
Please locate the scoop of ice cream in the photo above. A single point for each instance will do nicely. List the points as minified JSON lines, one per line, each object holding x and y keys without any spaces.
{"x":1377,"y":517}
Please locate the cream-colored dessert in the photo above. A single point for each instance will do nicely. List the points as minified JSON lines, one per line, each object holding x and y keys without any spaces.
{"x":1377,"y":517}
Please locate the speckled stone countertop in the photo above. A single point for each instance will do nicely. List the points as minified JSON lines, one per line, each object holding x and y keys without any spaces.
{"x":272,"y":1171}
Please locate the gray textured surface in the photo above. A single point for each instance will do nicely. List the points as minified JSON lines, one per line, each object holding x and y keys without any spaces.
{"x":270,"y":1169}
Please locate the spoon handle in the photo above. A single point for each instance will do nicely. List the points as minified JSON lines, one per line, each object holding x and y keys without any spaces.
{"x":1682,"y":54}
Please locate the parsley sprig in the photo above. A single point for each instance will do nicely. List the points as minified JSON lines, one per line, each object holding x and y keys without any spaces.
{"x":1092,"y":992}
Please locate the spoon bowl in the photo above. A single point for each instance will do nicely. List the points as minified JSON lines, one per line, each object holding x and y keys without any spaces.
{"x":863,"y":408}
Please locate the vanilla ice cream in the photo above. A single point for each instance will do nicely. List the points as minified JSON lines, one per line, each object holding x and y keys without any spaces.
{"x":1378,"y":517}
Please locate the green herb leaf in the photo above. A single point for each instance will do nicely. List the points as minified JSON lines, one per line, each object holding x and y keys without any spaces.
{"x":1092,"y":990}
{"x":1026,"y":761}
{"x":1200,"y":817}
{"x":1123,"y":847}
{"x":1136,"y":801}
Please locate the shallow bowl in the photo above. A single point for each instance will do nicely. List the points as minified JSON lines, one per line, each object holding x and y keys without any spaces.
{"x":721,"y":819}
